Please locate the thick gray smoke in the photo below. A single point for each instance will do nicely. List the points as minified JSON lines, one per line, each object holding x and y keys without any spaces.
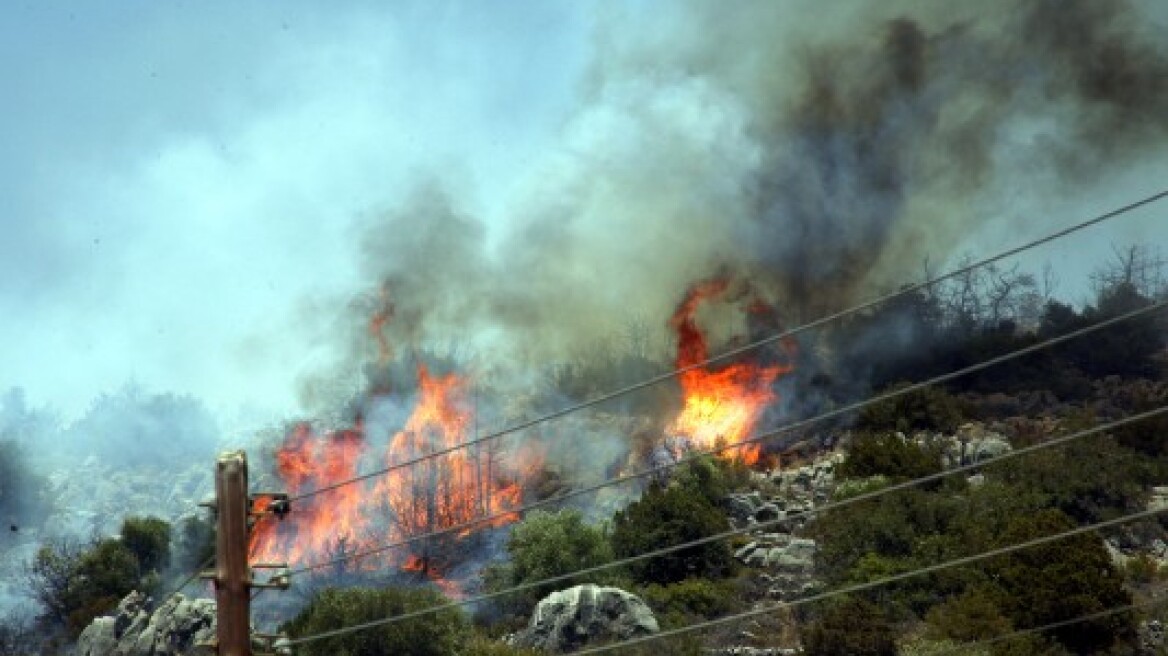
{"x":822,"y":157}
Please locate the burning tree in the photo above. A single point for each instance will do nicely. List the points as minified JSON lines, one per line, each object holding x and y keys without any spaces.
{"x":432,"y":484}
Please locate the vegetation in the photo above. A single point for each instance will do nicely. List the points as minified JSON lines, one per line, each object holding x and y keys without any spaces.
{"x":21,"y":491}
{"x":693,"y":600}
{"x":891,"y":456}
{"x":437,"y":634}
{"x":666,"y":516}
{"x":75,"y":582}
{"x":546,"y":545}
{"x":932,"y":331}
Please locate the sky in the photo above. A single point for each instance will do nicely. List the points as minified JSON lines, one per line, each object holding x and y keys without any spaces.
{"x":180,"y":183}
{"x":184,"y":187}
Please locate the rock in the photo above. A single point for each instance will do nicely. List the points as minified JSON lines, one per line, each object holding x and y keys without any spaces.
{"x":173,"y":629}
{"x":567,"y":620}
{"x":973,"y":443}
{"x":742,"y":506}
{"x":768,"y":512}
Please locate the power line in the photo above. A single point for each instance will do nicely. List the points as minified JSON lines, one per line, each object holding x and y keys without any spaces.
{"x":187,"y":581}
{"x":746,"y":348}
{"x":866,"y":496}
{"x":1118,"y":610}
{"x":956,"y":562}
{"x":844,"y":410}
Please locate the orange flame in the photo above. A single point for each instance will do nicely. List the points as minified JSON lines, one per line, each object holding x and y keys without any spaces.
{"x":722,"y":406}
{"x":456,"y":487}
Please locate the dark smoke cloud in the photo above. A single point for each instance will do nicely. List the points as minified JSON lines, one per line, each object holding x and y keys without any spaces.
{"x":922,"y":111}
{"x":823,"y":157}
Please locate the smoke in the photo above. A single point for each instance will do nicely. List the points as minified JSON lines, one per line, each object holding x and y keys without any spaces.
{"x":823,"y":158}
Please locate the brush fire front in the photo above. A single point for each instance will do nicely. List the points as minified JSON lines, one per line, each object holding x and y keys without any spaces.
{"x":441,"y":480}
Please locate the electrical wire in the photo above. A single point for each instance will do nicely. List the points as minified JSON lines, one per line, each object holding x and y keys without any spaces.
{"x":866,"y":496}
{"x":187,"y":581}
{"x":844,"y":410}
{"x":909,"y":289}
{"x":770,"y":608}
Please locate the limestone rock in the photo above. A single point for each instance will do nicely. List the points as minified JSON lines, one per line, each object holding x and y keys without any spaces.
{"x":567,"y":620}
{"x":173,"y":629}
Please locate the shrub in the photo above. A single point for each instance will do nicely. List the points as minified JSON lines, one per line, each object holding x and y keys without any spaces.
{"x":692,"y":600}
{"x":712,"y":478}
{"x":668,"y":516}
{"x":889,"y":455}
{"x":929,"y":408}
{"x":545,"y":545}
{"x":969,"y":617}
{"x":1059,"y":581}
{"x":75,"y":582}
{"x":437,"y":634}
{"x":850,"y":626}
{"x":148,"y":538}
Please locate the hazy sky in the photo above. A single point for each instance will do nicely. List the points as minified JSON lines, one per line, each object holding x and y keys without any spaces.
{"x":178,"y":181}
{"x":182,"y":185}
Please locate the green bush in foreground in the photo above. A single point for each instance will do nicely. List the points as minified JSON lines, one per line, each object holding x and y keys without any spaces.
{"x":545,"y":545}
{"x":436,"y":634}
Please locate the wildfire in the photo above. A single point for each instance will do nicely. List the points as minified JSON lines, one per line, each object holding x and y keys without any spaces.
{"x":720,"y":406}
{"x":447,"y":490}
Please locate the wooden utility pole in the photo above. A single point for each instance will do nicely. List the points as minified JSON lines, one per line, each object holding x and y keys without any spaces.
{"x":232,"y":574}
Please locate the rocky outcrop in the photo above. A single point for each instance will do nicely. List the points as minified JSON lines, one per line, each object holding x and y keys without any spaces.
{"x":567,"y":620}
{"x":798,"y":491}
{"x":175,"y":628}
{"x":973,"y":443}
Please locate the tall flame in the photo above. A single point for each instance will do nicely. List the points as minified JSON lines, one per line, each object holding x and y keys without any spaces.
{"x":721,"y":406}
{"x":454,"y":488}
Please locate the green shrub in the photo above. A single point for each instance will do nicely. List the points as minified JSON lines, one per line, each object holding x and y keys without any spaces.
{"x":889,"y":455}
{"x":692,"y":600}
{"x":970,"y":617}
{"x":76,"y":582}
{"x":929,"y":408}
{"x":103,"y":575}
{"x":1059,"y":581}
{"x":668,"y":516}
{"x":1141,"y":570}
{"x":148,"y":538}
{"x":851,"y":626}
{"x":712,"y":478}
{"x":437,"y":634}
{"x":546,"y":545}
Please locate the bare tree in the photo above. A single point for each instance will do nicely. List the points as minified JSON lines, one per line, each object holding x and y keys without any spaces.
{"x":1140,"y":266}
